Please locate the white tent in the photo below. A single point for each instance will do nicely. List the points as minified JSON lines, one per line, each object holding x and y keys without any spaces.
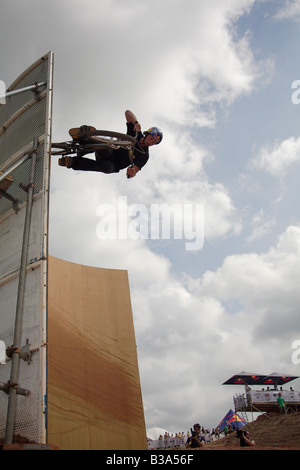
{"x":154,"y":433}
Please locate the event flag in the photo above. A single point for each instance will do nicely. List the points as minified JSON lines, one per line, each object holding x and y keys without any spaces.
{"x":231,"y":418}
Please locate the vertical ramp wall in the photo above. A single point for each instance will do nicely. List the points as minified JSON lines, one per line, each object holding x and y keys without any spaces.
{"x":23,"y":117}
{"x":94,"y":395}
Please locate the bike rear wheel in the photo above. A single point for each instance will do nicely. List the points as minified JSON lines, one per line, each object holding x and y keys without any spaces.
{"x":112,"y":139}
{"x":95,"y":140}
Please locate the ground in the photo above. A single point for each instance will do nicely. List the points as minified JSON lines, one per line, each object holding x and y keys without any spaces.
{"x":274,"y":432}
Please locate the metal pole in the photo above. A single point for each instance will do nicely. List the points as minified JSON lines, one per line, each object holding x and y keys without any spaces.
{"x":14,"y":377}
{"x":14,"y":167}
{"x":20,"y":391}
{"x":21,"y":90}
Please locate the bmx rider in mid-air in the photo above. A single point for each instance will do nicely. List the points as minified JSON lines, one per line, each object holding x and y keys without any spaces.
{"x":110,"y":160}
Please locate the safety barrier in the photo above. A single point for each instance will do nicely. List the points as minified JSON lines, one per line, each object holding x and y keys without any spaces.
{"x":167,"y":443}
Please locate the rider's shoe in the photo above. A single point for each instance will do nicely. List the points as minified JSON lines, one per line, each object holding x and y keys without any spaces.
{"x":65,"y":161}
{"x":80,"y":133}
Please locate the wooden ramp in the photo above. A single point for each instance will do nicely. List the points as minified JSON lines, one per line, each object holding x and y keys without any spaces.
{"x":94,"y":394}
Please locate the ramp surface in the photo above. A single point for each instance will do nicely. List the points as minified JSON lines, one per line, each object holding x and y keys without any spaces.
{"x":94,"y":395}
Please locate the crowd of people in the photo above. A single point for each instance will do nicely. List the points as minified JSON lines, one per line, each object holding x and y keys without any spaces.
{"x":182,"y":439}
{"x":198,"y":437}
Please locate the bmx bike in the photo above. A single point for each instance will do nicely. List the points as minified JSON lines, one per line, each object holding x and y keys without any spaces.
{"x":94,"y":140}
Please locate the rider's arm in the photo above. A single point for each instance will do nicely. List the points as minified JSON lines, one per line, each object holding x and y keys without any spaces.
{"x":200,"y":444}
{"x":132,"y":171}
{"x":130,"y":117}
{"x":248,"y":441}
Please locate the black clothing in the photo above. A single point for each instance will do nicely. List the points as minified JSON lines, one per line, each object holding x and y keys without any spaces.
{"x":110,"y":160}
{"x":193,"y":443}
{"x":243,"y":443}
{"x":140,"y":154}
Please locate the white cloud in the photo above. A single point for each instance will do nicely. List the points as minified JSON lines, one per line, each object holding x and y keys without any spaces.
{"x":220,"y":215}
{"x":162,"y":59}
{"x":193,"y":335}
{"x":289,"y":11}
{"x":264,"y":284}
{"x":244,"y":315}
{"x":260,"y":226}
{"x":277,"y":158}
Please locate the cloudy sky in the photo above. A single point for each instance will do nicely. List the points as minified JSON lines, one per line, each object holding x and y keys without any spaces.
{"x":220,"y":79}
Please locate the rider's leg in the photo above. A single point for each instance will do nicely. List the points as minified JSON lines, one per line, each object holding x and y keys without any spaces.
{"x":104,"y":154}
{"x":85,"y":164}
{"x":81,"y":153}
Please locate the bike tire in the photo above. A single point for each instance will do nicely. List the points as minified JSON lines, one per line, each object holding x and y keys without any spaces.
{"x":99,"y":138}
{"x":112,"y":139}
{"x":65,"y":148}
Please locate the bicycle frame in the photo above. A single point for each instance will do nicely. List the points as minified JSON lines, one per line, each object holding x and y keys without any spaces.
{"x":101,"y":139}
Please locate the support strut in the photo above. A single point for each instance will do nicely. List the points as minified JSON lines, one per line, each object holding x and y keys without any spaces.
{"x":14,"y":377}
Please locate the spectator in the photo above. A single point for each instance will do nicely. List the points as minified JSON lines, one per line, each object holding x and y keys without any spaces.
{"x":281,"y":403}
{"x":245,"y":439}
{"x":248,"y":394}
{"x":194,"y":440}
